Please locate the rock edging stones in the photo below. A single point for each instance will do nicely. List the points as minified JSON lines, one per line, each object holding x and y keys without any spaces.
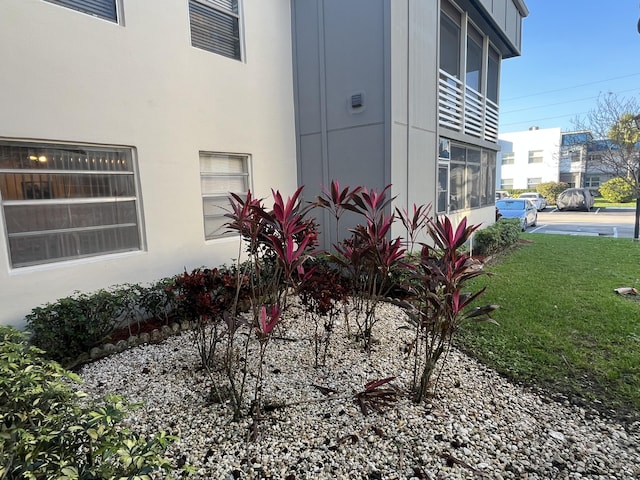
{"x":155,"y":336}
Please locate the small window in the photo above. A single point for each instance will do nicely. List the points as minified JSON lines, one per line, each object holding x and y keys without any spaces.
{"x":106,"y":9}
{"x":220,"y":174}
{"x":450,"y":36}
{"x":535,"y":156}
{"x":493,"y":75}
{"x":592,"y":181}
{"x":68,"y":201}
{"x":533,"y":182}
{"x":506,"y":184}
{"x":473,"y":77}
{"x":508,"y":158}
{"x":215,"y":26}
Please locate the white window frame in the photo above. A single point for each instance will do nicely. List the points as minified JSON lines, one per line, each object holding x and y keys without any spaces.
{"x":94,"y":203}
{"x":533,"y":182}
{"x":215,"y":198}
{"x":536,"y":156}
{"x":508,"y":158}
{"x":506,"y":184}
{"x":81,"y":6}
{"x":209,"y":44}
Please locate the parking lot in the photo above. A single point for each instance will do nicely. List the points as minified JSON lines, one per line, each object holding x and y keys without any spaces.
{"x":610,"y":222}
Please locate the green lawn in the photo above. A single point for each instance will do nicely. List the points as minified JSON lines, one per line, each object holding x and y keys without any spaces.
{"x":602,"y":203}
{"x":562,"y":327}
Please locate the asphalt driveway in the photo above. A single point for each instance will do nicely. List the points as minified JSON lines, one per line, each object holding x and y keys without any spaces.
{"x":609,"y":222}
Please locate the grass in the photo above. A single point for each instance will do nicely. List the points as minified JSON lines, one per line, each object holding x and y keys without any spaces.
{"x":602,"y":203}
{"x":562,"y":327}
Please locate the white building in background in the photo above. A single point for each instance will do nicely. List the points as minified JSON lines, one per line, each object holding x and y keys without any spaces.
{"x":528,"y":158}
{"x":124,"y":125}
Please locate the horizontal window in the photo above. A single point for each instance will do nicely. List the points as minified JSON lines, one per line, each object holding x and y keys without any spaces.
{"x":64,"y":201}
{"x":106,"y":9}
{"x":215,"y":26}
{"x":220,"y":174}
{"x":508,"y":158}
{"x":536,"y":156}
{"x":533,"y":182}
{"x":506,"y":184}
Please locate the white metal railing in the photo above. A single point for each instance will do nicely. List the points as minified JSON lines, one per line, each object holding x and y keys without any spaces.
{"x":466,"y":110}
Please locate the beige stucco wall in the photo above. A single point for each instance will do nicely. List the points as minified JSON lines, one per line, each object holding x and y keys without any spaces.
{"x":67,"y":76}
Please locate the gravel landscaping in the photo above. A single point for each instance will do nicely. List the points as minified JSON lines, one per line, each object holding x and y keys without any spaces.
{"x":477,"y":425}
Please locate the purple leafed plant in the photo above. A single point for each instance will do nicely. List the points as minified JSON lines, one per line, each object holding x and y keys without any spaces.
{"x":440,"y":304}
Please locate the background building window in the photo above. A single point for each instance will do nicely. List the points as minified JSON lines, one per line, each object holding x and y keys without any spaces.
{"x":220,"y":174}
{"x":63,"y":201}
{"x":508,"y":158}
{"x":106,"y":9}
{"x":506,"y":184}
{"x":592,"y":181}
{"x":533,"y":182}
{"x":215,"y":26}
{"x":536,"y":156}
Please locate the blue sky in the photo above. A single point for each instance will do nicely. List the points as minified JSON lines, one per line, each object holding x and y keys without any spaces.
{"x":572,"y":51}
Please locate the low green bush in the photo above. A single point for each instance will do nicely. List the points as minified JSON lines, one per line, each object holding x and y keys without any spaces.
{"x":47,"y":432}
{"x":617,"y":190}
{"x":73,"y":325}
{"x":497,"y":237}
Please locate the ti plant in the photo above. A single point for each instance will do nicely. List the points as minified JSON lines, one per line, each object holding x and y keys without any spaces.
{"x":369,"y":257}
{"x":278,"y":242}
{"x":439,"y":304}
{"x":322,"y":292}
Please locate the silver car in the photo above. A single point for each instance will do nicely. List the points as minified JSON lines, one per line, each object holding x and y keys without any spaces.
{"x":522,"y":209}
{"x":538,"y":200}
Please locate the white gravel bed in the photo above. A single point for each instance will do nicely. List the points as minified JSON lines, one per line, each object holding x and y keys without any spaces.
{"x":478,"y":425}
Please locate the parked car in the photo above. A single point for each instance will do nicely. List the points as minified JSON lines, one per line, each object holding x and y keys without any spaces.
{"x":575,"y":199}
{"x":522,"y":209}
{"x":538,"y":200}
{"x":500,"y":194}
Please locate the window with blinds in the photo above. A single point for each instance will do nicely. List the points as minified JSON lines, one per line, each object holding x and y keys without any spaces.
{"x":63,"y":202}
{"x":221,"y":174}
{"x":107,"y":9}
{"x":215,"y":26}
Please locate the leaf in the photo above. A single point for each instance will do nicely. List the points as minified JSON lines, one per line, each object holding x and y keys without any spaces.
{"x":325,"y":390}
{"x":372,"y":385}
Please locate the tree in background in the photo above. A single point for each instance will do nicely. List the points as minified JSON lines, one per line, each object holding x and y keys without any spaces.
{"x":551,"y":190}
{"x":615,"y":140}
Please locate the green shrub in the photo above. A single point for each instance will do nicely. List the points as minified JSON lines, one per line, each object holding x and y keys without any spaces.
{"x":47,"y":433}
{"x":617,"y":190}
{"x":551,"y":190}
{"x":495,"y":238}
{"x":73,"y":325}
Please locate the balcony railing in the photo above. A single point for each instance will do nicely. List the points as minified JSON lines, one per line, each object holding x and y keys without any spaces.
{"x":466,"y":110}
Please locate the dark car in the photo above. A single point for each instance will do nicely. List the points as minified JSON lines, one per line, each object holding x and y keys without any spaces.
{"x":575,"y":199}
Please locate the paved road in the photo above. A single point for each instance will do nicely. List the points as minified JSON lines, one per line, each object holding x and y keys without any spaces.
{"x":598,"y":222}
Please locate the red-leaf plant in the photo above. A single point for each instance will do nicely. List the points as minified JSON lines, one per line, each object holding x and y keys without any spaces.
{"x":322,"y":291}
{"x":439,"y":304}
{"x":415,"y":222}
{"x":337,"y":202}
{"x":279,"y":240}
{"x":369,"y":257}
